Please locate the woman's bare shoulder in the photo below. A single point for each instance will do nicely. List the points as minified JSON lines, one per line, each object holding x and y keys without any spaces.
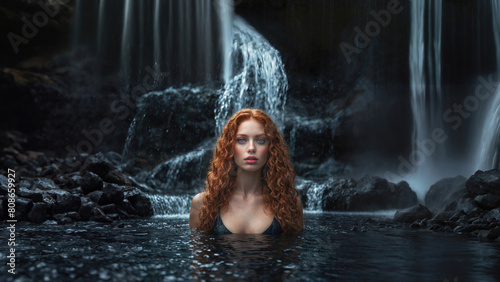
{"x":198,"y":200}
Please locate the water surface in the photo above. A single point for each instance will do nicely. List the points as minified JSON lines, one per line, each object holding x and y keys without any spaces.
{"x":343,"y":246}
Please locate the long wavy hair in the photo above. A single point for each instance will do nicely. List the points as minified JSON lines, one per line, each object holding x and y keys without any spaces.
{"x":277,"y":179}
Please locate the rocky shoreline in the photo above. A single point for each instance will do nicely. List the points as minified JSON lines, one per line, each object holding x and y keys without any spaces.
{"x":468,"y":206}
{"x":46,"y":188}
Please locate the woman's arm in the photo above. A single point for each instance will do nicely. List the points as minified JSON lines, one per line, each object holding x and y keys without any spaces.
{"x":194,"y":214}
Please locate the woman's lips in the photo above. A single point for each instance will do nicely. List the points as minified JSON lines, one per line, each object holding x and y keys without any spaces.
{"x":251,"y":160}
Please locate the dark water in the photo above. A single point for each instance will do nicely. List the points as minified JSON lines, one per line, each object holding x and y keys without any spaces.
{"x":333,"y":246}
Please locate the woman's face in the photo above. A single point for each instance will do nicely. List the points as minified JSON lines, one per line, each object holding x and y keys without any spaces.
{"x":251,"y":146}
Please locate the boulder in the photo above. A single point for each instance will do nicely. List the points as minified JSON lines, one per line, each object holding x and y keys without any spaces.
{"x":95,"y":196}
{"x":487,"y":201}
{"x":368,"y":194}
{"x":493,"y":215}
{"x":97,"y":164}
{"x":39,"y":212}
{"x":112,"y":194}
{"x":23,"y":207}
{"x":412,"y":214}
{"x":91,"y":182}
{"x":35,"y":195}
{"x":67,"y":218}
{"x":108,"y":209}
{"x":67,"y":203}
{"x":445,"y":191}
{"x":43,"y":184}
{"x":141,"y":204}
{"x":85,"y":210}
{"x":489,"y":235}
{"x":98,"y":215}
{"x":484,"y":182}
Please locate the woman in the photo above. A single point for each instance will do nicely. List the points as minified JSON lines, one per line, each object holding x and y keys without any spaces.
{"x":249,"y":184}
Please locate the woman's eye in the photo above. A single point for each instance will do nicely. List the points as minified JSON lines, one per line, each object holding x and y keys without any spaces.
{"x":240,"y":140}
{"x":261,"y":141}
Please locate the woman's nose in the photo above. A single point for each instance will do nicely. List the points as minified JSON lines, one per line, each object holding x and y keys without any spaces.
{"x":251,"y":147}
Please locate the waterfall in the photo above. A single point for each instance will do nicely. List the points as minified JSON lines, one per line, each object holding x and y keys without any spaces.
{"x":226,"y":12}
{"x":489,"y":155}
{"x":426,"y":94}
{"x":166,"y":175}
{"x":170,"y":36}
{"x":314,"y":194}
{"x":170,"y":204}
{"x":417,"y":76}
{"x":260,"y":80}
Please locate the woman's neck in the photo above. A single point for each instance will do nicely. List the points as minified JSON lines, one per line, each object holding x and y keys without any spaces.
{"x":248,"y":183}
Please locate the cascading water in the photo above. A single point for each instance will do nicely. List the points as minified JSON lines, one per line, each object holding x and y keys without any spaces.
{"x":170,"y":204}
{"x":426,"y":101}
{"x":489,"y":154}
{"x":260,"y":80}
{"x":175,"y":37}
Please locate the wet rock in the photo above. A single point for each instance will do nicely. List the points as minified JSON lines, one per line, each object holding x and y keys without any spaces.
{"x":436,"y":227}
{"x":67,"y":203}
{"x":86,"y":209}
{"x":98,"y":215}
{"x":39,"y":212}
{"x":51,"y":170}
{"x":470,"y":228}
{"x":333,"y":197}
{"x":487,"y":201}
{"x":493,"y":215}
{"x":111,"y":194}
{"x":445,"y":191}
{"x":107,"y":209}
{"x":113,"y":216}
{"x":127,"y":207}
{"x":466,"y":205}
{"x":404,"y":196}
{"x":368,"y":194}
{"x":67,"y":218}
{"x":484,"y":182}
{"x":116,"y":178}
{"x":409,"y":215}
{"x":185,"y":129}
{"x":23,"y":207}
{"x":97,"y":164}
{"x":444,"y":215}
{"x":61,"y":181}
{"x":489,"y":235}
{"x":44,"y":184}
{"x":74,"y":180}
{"x":35,"y":195}
{"x":91,"y":182}
{"x":141,"y":204}
{"x":4,"y":185}
{"x":95,"y":196}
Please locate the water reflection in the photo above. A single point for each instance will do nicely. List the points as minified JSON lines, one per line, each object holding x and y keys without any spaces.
{"x":238,"y":256}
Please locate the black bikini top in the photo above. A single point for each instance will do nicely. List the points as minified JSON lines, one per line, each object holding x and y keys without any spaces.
{"x":220,"y":229}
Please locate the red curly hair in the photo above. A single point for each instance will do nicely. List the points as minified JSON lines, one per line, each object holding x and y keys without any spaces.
{"x":277,"y":175}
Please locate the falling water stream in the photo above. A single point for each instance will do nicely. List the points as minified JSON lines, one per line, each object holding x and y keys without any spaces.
{"x":489,"y":149}
{"x":426,"y":100}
